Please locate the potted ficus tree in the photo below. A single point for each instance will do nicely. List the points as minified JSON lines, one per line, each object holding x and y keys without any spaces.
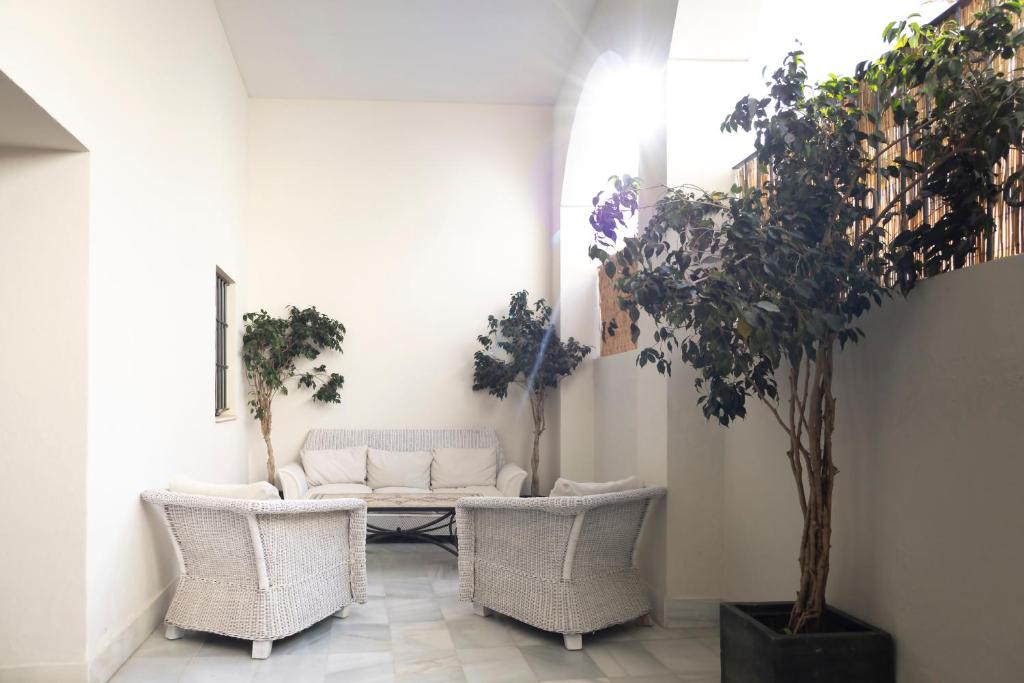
{"x":272,"y":349}
{"x":758,"y":289}
{"x":523,"y":348}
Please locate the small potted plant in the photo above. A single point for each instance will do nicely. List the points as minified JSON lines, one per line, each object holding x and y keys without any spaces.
{"x":271,"y":350}
{"x":523,"y":348}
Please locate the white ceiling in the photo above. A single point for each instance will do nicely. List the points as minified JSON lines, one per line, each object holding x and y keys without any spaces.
{"x":501,"y":51}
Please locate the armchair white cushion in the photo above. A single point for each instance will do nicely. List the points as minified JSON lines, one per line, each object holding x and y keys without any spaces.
{"x":260,"y":490}
{"x":565,"y":564}
{"x":335,"y":465}
{"x":567,"y":487}
{"x":459,"y":467}
{"x":262,"y":570}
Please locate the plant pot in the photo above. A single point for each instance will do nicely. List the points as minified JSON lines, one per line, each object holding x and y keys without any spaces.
{"x":845,"y":650}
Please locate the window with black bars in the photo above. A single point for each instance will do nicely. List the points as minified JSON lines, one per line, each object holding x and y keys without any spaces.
{"x":221,"y":363}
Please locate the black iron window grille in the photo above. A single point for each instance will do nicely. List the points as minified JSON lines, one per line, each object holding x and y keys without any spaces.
{"x":221,"y":363}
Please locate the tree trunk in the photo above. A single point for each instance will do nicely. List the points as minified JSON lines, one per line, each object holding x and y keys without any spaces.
{"x":537,"y":406}
{"x":265,"y":423}
{"x":818,"y":411}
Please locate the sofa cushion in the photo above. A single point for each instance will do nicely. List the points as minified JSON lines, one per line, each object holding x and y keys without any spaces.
{"x":471,"y":490}
{"x":335,"y":465}
{"x":337,"y":490}
{"x":400,"y":489}
{"x":567,"y":487}
{"x":398,"y":468}
{"x":457,"y":467}
{"x":260,"y":490}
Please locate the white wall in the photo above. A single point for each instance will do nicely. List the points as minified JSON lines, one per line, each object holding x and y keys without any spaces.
{"x":44,"y":231}
{"x":152,"y":90}
{"x":410,"y":223}
{"x":927,"y":541}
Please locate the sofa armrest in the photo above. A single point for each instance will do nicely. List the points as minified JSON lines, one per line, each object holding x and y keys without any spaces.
{"x":291,"y":479}
{"x":510,"y":480}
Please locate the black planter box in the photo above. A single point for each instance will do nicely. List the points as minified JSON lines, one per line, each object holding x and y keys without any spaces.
{"x":755,"y":650}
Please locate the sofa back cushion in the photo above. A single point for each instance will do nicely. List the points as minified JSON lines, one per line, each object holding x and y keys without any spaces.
{"x":398,"y":468}
{"x":260,"y":490}
{"x":335,"y":465}
{"x":567,"y":487}
{"x":458,"y":467}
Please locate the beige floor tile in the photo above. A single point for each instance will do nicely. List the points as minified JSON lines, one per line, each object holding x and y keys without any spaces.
{"x":495,"y":665}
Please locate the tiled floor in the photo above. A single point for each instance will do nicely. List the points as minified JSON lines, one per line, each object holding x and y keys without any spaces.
{"x":413,"y":629}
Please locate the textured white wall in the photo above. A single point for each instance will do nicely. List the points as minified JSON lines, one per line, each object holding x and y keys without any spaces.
{"x":410,"y":223}
{"x":43,"y":230}
{"x":927,"y":541}
{"x":152,"y":90}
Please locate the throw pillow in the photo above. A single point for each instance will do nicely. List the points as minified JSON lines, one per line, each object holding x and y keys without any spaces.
{"x":335,"y":465}
{"x":398,"y":468}
{"x":459,"y":467}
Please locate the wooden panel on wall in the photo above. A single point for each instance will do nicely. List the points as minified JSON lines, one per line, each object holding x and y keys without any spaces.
{"x":610,"y":311}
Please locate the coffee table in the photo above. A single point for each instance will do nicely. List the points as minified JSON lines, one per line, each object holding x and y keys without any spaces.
{"x":436,"y":509}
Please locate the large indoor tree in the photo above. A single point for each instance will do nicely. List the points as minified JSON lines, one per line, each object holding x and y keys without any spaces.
{"x":758,"y":288}
{"x":272,"y":349}
{"x":523,"y":348}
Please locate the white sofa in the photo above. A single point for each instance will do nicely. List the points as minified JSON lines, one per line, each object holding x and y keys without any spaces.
{"x":386,"y":469}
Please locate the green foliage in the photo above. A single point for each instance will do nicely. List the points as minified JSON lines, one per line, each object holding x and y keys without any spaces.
{"x":273,"y":347}
{"x":739,"y":282}
{"x":973,"y":119}
{"x":523,"y":347}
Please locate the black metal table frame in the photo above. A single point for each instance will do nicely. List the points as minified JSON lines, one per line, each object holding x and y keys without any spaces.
{"x":445,"y":518}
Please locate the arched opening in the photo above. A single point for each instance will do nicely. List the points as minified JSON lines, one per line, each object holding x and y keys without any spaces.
{"x":615,"y":111}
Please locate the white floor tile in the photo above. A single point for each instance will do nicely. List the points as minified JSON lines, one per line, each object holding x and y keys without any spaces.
{"x":495,"y":665}
{"x":360,"y":667}
{"x":151,"y":670}
{"x":413,"y":629}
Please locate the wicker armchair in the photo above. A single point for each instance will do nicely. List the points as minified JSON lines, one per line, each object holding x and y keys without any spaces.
{"x":262,"y":570}
{"x":561,"y":564}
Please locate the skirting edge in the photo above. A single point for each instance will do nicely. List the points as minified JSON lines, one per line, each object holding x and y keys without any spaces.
{"x":121,"y":646}
{"x":683,"y":612}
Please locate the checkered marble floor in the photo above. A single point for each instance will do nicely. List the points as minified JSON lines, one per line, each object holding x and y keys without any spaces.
{"x":413,"y":629}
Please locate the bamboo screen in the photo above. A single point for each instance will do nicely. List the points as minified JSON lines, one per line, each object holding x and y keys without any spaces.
{"x":610,"y":311}
{"x":1008,"y":236}
{"x":1006,"y":240}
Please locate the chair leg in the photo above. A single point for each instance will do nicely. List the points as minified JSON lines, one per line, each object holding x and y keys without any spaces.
{"x":482,"y":611}
{"x":172,"y":632}
{"x":644,"y":620}
{"x":261,"y":648}
{"x":573,"y":641}
{"x":343,"y":612}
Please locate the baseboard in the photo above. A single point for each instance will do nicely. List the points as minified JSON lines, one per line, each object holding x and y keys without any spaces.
{"x":691,"y":613}
{"x":43,"y":673}
{"x":121,"y":646}
{"x":683,"y":612}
